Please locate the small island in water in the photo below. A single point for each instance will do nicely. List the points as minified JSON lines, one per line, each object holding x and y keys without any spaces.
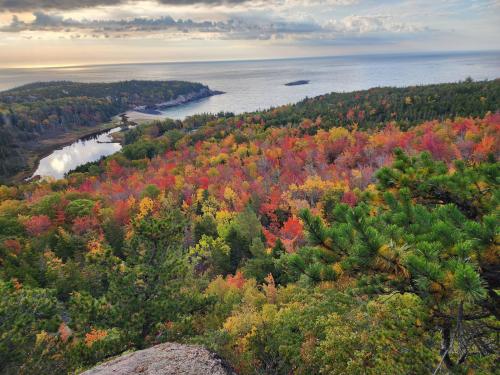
{"x":298,"y":83}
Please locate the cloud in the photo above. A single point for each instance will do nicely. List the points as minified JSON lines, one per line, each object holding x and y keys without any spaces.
{"x":372,"y":24}
{"x":357,"y":29}
{"x":205,"y":2}
{"x":31,"y":5}
{"x":34,"y":5}
{"x":229,"y":29}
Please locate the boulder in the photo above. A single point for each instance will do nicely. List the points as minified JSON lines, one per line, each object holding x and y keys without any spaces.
{"x":165,"y":359}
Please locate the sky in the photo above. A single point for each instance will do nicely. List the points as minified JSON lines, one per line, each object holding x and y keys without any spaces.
{"x":80,"y":32}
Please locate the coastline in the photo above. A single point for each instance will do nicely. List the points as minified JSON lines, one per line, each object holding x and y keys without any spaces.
{"x":156,"y":109}
{"x":44,"y":147}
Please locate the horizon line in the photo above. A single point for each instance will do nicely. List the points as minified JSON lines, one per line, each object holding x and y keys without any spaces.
{"x":395,"y":54}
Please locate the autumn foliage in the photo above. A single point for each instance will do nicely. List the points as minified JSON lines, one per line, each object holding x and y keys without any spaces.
{"x":296,"y":240}
{"x":37,"y":225}
{"x":287,"y":171}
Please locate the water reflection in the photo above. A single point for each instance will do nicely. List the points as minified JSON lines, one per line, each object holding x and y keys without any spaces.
{"x":83,"y":151}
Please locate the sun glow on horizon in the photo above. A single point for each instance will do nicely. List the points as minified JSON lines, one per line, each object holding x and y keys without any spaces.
{"x":64,"y":35}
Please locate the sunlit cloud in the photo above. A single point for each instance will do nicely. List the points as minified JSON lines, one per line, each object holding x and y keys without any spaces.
{"x":31,"y":5}
{"x":232,"y":28}
{"x":314,"y":27}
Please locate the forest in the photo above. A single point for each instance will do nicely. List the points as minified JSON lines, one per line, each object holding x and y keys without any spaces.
{"x":31,"y":113}
{"x":350,"y":233}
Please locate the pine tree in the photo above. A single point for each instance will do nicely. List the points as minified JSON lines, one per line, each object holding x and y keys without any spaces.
{"x":420,"y":232}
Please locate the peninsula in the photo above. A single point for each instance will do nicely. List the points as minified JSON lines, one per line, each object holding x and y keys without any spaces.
{"x":39,"y":117}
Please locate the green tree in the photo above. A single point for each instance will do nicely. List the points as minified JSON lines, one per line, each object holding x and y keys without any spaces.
{"x":151,"y":191}
{"x":152,"y":286}
{"x":24,"y":313}
{"x":420,"y":233}
{"x":206,"y":225}
{"x":385,"y":336}
{"x":211,"y":256}
{"x":79,"y":208}
{"x":243,"y":231}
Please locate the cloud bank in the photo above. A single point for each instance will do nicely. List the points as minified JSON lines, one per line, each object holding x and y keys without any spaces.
{"x":34,"y":5}
{"x":232,"y":28}
{"x":245,"y":28}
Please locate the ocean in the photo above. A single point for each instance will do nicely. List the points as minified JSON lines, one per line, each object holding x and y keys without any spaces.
{"x":260,"y":84}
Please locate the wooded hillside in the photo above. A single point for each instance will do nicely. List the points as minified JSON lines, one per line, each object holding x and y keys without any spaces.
{"x":286,"y":247}
{"x":31,"y":113}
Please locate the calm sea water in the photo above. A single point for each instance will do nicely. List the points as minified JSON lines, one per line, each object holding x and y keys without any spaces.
{"x":253,"y":85}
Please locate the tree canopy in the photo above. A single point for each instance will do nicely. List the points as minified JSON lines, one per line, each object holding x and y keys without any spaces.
{"x":304,"y":248}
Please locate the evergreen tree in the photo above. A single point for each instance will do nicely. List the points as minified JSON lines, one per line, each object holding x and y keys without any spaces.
{"x":425,"y":235}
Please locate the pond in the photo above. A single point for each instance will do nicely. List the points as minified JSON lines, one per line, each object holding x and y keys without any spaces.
{"x":84,"y":150}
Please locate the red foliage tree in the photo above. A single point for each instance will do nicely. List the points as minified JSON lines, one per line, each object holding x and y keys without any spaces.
{"x":85,"y":224}
{"x":13,"y":245}
{"x":115,"y":170}
{"x":237,"y":280}
{"x":349,"y":198}
{"x":37,"y":225}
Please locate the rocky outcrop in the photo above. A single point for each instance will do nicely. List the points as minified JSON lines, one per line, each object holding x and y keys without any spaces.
{"x":156,"y":109}
{"x":165,"y":359}
{"x":297,"y":83}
